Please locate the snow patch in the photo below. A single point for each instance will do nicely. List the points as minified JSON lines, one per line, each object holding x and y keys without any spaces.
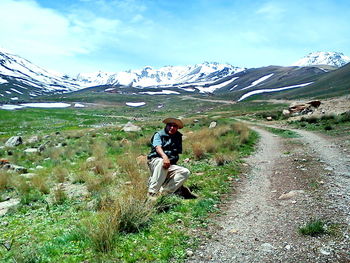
{"x":47,"y":105}
{"x":16,"y":91}
{"x":254,"y":92}
{"x":210,"y":89}
{"x":79,"y":105}
{"x":254,"y":83}
{"x":163,"y":92}
{"x":135,"y":104}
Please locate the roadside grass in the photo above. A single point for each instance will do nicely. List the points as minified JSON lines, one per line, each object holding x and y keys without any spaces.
{"x":315,"y":227}
{"x":333,"y":124}
{"x":114,"y":221}
{"x":283,"y":133}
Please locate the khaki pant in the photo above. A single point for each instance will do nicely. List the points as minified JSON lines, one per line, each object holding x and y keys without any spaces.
{"x":166,"y":180}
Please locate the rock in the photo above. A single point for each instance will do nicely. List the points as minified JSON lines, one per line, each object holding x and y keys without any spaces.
{"x":28,"y":175}
{"x":5,"y":206}
{"x":267,"y":247}
{"x":91,"y":159}
{"x":269,"y":118}
{"x":325,"y":251}
{"x":14,"y":141}
{"x":290,"y":194}
{"x":189,"y":253}
{"x":212,"y":125}
{"x":31,"y":150}
{"x":42,"y":147}
{"x":129,"y":127}
{"x":39,"y":167}
{"x":18,"y":169}
{"x":33,"y":139}
{"x":286,"y":112}
{"x":314,"y":103}
{"x":288,"y":247}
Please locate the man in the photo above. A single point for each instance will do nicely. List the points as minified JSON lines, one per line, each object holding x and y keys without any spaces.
{"x":166,"y":176}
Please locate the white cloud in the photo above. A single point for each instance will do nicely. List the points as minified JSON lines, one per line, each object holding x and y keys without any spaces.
{"x":271,"y":10}
{"x":36,"y":32}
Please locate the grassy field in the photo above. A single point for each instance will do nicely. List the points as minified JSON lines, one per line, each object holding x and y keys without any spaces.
{"x":84,"y":198}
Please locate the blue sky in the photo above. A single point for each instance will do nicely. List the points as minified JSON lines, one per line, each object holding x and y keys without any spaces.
{"x":72,"y":36}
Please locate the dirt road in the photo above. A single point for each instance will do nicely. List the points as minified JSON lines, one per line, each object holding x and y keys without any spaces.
{"x":289,"y":183}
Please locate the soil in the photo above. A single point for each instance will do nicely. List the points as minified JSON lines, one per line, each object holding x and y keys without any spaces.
{"x":287,"y":183}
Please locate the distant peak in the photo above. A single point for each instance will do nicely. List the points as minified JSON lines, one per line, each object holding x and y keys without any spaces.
{"x":337,"y":59}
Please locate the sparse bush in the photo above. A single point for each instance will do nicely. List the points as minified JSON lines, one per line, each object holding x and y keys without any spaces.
{"x":59,"y":195}
{"x":4,"y":180}
{"x":222,"y":159}
{"x":60,"y":174}
{"x":242,"y":130}
{"x":41,"y":183}
{"x":101,"y":230}
{"x":198,"y":151}
{"x":313,"y":228}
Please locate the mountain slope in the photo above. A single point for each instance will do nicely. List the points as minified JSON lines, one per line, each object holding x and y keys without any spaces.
{"x":19,"y":78}
{"x":169,"y":75}
{"x":336,"y":59}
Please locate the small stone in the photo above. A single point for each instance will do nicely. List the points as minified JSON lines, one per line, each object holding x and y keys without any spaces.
{"x":31,"y":150}
{"x":287,"y":247}
{"x":212,"y":125}
{"x":267,"y":247}
{"x":189,"y":253}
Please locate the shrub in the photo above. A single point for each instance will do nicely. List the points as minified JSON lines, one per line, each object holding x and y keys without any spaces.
{"x":4,"y":180}
{"x":59,"y":195}
{"x":40,"y":183}
{"x":313,"y":228}
{"x":222,"y":159}
{"x":60,"y":174}
{"x":198,"y":150}
{"x":101,"y":229}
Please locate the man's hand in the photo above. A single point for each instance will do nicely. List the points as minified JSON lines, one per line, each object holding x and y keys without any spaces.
{"x":166,"y":161}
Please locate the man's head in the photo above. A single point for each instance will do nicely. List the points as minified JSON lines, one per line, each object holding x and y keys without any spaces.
{"x":172,"y":125}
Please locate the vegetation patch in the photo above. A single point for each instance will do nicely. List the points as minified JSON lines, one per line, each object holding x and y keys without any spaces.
{"x":314,"y":228}
{"x":85,"y":197}
{"x":283,"y":133}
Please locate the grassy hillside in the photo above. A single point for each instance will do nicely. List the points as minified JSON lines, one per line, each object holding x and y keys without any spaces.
{"x":84,"y":197}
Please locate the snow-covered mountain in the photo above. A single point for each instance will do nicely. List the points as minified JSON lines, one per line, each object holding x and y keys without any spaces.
{"x":170,"y":75}
{"x":336,"y":59}
{"x":20,"y":76}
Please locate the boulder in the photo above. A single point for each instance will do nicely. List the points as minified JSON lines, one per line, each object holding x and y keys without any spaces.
{"x":286,"y":112}
{"x":4,"y":206}
{"x":14,"y":141}
{"x":31,"y":150}
{"x":129,"y":127}
{"x":314,"y":103}
{"x":212,"y":125}
{"x":33,"y":139}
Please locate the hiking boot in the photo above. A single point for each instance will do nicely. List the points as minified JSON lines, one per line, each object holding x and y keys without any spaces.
{"x":185,"y":192}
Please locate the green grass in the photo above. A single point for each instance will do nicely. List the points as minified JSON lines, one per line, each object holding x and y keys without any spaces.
{"x":332,"y":124}
{"x":313,"y":228}
{"x":48,"y":228}
{"x":283,"y":133}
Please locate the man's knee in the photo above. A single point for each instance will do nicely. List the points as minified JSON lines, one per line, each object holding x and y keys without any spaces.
{"x":185,"y":172}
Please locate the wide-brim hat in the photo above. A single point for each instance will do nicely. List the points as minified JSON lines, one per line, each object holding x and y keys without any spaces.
{"x":178,"y":122}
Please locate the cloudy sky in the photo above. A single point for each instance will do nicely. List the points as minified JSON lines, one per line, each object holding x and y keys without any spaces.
{"x":72,"y":36}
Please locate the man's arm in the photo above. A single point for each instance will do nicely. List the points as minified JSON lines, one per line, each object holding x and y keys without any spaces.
{"x":166,"y":161}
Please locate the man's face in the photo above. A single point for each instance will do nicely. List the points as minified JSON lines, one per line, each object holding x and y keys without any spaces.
{"x":171,"y":128}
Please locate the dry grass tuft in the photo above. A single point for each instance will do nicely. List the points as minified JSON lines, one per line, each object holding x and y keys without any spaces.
{"x":242,"y":130}
{"x":40,"y":182}
{"x":4,"y":180}
{"x":60,"y":174}
{"x":59,"y":194}
{"x":101,"y":230}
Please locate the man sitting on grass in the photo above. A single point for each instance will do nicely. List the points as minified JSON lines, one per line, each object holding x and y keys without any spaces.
{"x":166,"y":176}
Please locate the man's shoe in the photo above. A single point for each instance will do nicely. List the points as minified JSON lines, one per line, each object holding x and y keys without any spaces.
{"x":185,"y":192}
